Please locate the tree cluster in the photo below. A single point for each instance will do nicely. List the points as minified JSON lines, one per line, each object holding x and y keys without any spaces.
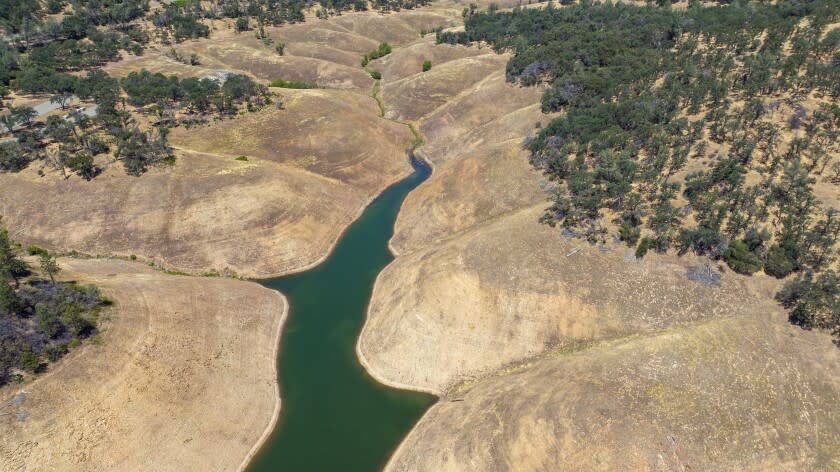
{"x":40,"y":319}
{"x":383,"y":50}
{"x":73,"y":141}
{"x":646,"y":92}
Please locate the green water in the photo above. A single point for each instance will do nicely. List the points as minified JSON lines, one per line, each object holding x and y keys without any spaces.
{"x":334,"y":416}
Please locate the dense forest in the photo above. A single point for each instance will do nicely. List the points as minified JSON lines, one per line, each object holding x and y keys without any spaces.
{"x":256,"y":13}
{"x":701,"y":129}
{"x":40,"y":318}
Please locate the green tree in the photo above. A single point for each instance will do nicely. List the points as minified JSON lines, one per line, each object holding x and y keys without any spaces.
{"x":82,"y":164}
{"x":9,"y":301}
{"x":813,"y":301}
{"x":740,"y":259}
{"x":11,"y":267}
{"x":62,"y":99}
{"x":9,"y":121}
{"x":643,"y":248}
{"x":49,"y":265}
{"x":779,"y":263}
{"x":12,"y":157}
{"x":24,"y":115}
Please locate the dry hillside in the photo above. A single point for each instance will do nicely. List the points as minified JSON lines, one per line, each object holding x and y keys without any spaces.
{"x":312,"y":166}
{"x":743,"y":393}
{"x":183,"y":366}
{"x":280,"y":211}
{"x":482,"y":294}
{"x":548,"y":350}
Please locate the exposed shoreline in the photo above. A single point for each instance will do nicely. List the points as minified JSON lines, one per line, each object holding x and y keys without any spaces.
{"x":255,"y":449}
{"x":332,"y":247}
{"x":362,"y":361}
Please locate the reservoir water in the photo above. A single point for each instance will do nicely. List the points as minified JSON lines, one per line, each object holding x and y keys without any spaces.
{"x":334,"y":416}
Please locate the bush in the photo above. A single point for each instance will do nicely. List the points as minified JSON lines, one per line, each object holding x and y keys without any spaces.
{"x":814,"y":302}
{"x":34,"y":250}
{"x":40,"y":318}
{"x":644,"y":246}
{"x":376,"y":74}
{"x":427,"y":65}
{"x":242,"y":24}
{"x":629,"y":234}
{"x":11,"y":157}
{"x":291,"y":84}
{"x":280,"y":48}
{"x":778,"y":264}
{"x":242,"y":158}
{"x":740,"y":259}
{"x":82,"y":164}
{"x":383,"y":50}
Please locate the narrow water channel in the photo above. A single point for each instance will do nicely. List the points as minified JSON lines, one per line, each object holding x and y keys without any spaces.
{"x":334,"y":416}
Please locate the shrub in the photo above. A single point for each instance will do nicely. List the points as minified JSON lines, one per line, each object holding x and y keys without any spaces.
{"x":778,"y":264}
{"x":40,"y":318}
{"x":12,"y":157}
{"x":383,"y":50}
{"x":643,"y":248}
{"x":740,"y":259}
{"x":34,"y":250}
{"x":291,"y":84}
{"x":242,"y":158}
{"x":814,"y":302}
{"x":280,"y":48}
{"x":376,"y":74}
{"x":629,"y":234}
{"x":82,"y":164}
{"x":242,"y":24}
{"x":427,"y":64}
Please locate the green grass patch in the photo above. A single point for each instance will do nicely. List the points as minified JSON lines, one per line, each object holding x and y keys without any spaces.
{"x":375,"y":95}
{"x":182,"y":3}
{"x":242,"y":158}
{"x":291,"y":84}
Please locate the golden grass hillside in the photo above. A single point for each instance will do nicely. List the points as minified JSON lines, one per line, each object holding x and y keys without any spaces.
{"x":183,"y":370}
{"x":744,"y":393}
{"x":507,"y":290}
{"x":312,"y":166}
{"x":281,"y":210}
{"x":484,"y":299}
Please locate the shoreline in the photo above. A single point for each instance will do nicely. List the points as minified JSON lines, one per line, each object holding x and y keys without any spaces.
{"x":275,"y":416}
{"x":255,"y":449}
{"x":371,"y":371}
{"x":341,"y":234}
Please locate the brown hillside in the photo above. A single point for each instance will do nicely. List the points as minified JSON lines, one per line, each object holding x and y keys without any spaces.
{"x":184,"y":366}
{"x":746,"y":393}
